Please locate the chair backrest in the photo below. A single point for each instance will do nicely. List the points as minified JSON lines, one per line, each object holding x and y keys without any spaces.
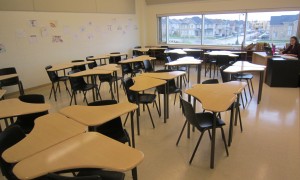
{"x":113,"y":128}
{"x":222,"y":60}
{"x":53,"y":176}
{"x":225,"y":76}
{"x":126,"y":68}
{"x":189,"y":113}
{"x":128,"y":82}
{"x":11,"y":81}
{"x":164,"y":47}
{"x":9,"y":137}
{"x":77,"y":83}
{"x":172,"y":85}
{"x":211,"y":81}
{"x":51,"y":74}
{"x":115,"y":59}
{"x":168,"y":59}
{"x":81,"y":67}
{"x":93,"y":64}
{"x":148,"y":66}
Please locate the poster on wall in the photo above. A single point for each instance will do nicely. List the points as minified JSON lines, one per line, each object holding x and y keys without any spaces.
{"x":33,"y":39}
{"x":33,"y":23}
{"x":44,"y":32}
{"x":57,"y":39}
{"x":2,"y":48}
{"x":53,"y":24}
{"x":20,"y":33}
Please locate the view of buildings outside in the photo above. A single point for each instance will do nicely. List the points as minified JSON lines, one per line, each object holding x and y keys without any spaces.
{"x":230,"y":29}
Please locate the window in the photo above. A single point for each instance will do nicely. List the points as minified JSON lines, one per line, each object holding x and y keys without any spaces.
{"x":224,"y":29}
{"x":272,"y":27}
{"x":232,"y":29}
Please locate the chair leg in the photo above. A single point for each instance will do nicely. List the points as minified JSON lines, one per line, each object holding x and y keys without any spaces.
{"x":175,"y":98}
{"x":67,"y":89}
{"x":252,"y":86}
{"x":245,"y":96}
{"x":209,"y":134}
{"x":150,"y":116}
{"x":185,"y":123}
{"x":158,"y":111}
{"x":249,"y":89}
{"x":240,"y":118}
{"x":127,"y":118}
{"x":159,"y":103}
{"x":224,"y":140}
{"x":84,"y":97}
{"x":6,"y":123}
{"x":196,"y":148}
{"x":243,"y":102}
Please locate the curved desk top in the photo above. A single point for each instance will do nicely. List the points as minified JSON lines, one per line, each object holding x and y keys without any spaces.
{"x":234,"y":87}
{"x":58,"y":67}
{"x":184,"y":61}
{"x":212,"y":97}
{"x":142,"y":83}
{"x":108,"y":67}
{"x":87,"y":150}
{"x":237,"y":69}
{"x":117,"y":55}
{"x":90,"y":72}
{"x":14,"y":107}
{"x":222,"y":53}
{"x":137,"y":59}
{"x":164,"y":75}
{"x":8,"y":76}
{"x":48,"y":131}
{"x":177,"y":51}
{"x":97,"y":115}
{"x":247,"y":64}
{"x":98,"y":57}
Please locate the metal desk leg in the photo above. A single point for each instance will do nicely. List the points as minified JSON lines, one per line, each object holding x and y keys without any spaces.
{"x":199,"y":74}
{"x":189,"y":125}
{"x":93,"y":82}
{"x":117,"y":87}
{"x":261,"y":79}
{"x":165,"y":104}
{"x":138,"y":113}
{"x":132,"y":129}
{"x":168,"y":100}
{"x":134,"y":173}
{"x":231,"y":126}
{"x":213,"y":139}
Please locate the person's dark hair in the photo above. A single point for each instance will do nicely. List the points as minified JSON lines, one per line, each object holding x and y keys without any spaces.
{"x":296,"y":39}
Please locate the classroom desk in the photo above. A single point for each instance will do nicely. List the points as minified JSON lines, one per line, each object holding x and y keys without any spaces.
{"x":242,"y":66}
{"x":137,"y":59}
{"x":166,"y":76}
{"x":177,"y":51}
{"x":8,"y":76}
{"x":223,"y":53}
{"x":93,"y":73}
{"x":63,"y":66}
{"x":14,"y":107}
{"x":2,"y":92}
{"x":142,"y":83}
{"x":100,"y":58}
{"x":188,"y":61}
{"x":48,"y":131}
{"x":233,"y":87}
{"x":87,"y":150}
{"x":215,"y":100}
{"x":97,"y":115}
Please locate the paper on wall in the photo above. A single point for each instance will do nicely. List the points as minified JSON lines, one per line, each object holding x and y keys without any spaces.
{"x":53,"y":24}
{"x":20,"y":33}
{"x":33,"y":39}
{"x":44,"y":32}
{"x":57,"y":39}
{"x":2,"y":48}
{"x":33,"y":23}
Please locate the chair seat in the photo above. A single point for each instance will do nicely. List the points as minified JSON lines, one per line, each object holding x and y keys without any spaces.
{"x":25,"y":125}
{"x":105,"y":175}
{"x":206,"y":121}
{"x":244,"y":76}
{"x":147,"y":98}
{"x":63,"y":78}
{"x":88,"y":87}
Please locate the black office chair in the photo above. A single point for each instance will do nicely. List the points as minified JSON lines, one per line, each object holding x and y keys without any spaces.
{"x":109,"y":79}
{"x":93,"y":64}
{"x":248,"y":78}
{"x":78,"y":84}
{"x":9,"y":137}
{"x":126,"y":70}
{"x":144,"y":99}
{"x":55,"y":79}
{"x":202,"y":121}
{"x":147,"y":66}
{"x":26,"y":122}
{"x":81,"y":67}
{"x":211,"y":81}
{"x":173,"y":89}
{"x":181,"y":68}
{"x":114,"y":59}
{"x":11,"y":81}
{"x":113,"y":128}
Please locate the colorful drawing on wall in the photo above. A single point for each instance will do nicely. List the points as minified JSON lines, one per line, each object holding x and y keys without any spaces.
{"x":2,"y":48}
{"x":44,"y":32}
{"x":20,"y":33}
{"x":33,"y":23}
{"x":57,"y":39}
{"x":53,"y":24}
{"x":33,"y":39}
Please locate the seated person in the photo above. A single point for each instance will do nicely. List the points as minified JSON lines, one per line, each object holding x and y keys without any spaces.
{"x":293,"y":49}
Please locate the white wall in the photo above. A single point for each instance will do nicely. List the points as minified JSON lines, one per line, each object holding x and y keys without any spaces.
{"x":210,"y":6}
{"x":30,"y":58}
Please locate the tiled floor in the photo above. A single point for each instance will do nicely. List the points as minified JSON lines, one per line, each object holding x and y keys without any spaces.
{"x":268,"y":148}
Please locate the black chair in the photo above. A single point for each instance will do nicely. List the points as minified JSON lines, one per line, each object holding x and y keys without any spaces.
{"x":126,"y":70}
{"x":211,"y":81}
{"x":26,"y":122}
{"x":55,"y":79}
{"x":11,"y":81}
{"x":109,"y":79}
{"x":226,"y":77}
{"x":181,"y":68}
{"x":144,"y":99}
{"x":9,"y":137}
{"x":78,"y":84}
{"x":147,"y":66}
{"x":202,"y":121}
{"x":113,"y":128}
{"x":173,"y":89}
{"x":81,"y":67}
{"x":248,"y":78}
{"x":54,"y":176}
{"x":114,"y":59}
{"x":93,"y":64}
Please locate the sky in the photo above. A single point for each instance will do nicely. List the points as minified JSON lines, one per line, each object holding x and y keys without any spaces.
{"x":264,"y":16}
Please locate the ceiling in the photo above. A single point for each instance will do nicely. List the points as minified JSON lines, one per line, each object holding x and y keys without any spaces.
{"x":152,"y":2}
